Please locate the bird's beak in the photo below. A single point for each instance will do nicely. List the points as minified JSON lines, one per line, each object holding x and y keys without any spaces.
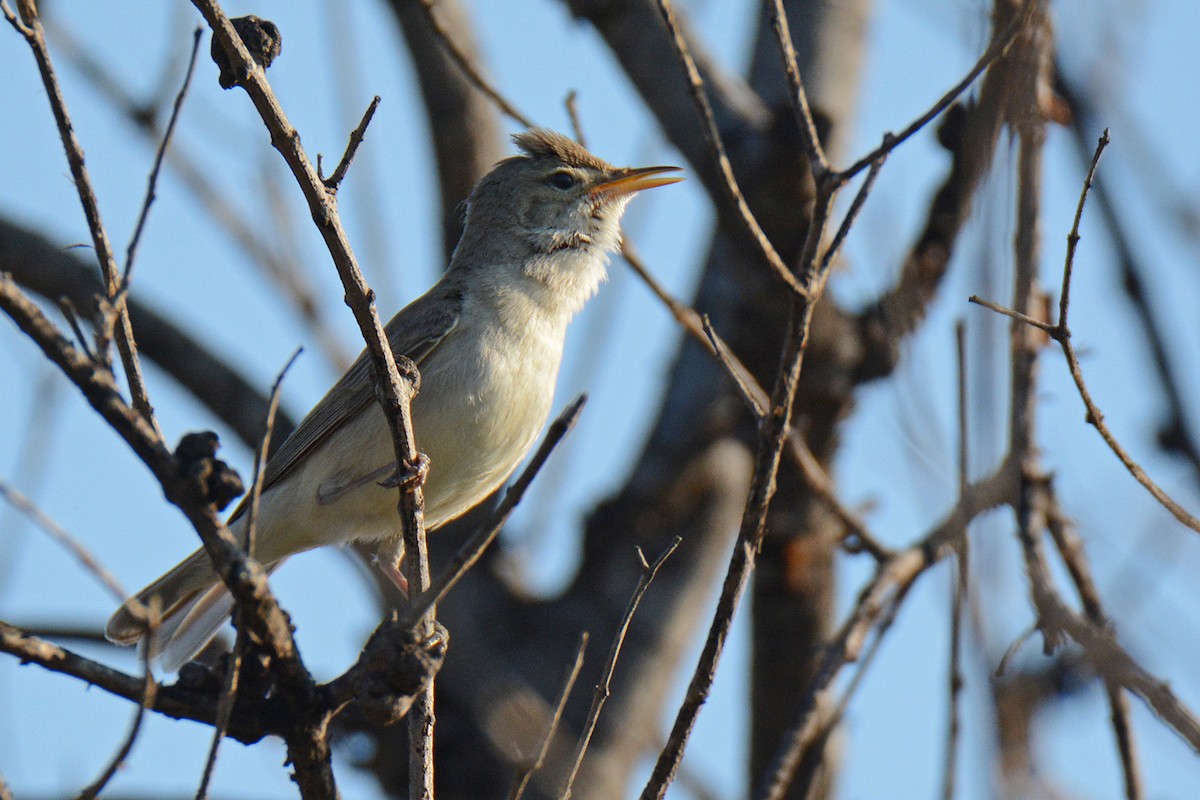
{"x":629,"y":181}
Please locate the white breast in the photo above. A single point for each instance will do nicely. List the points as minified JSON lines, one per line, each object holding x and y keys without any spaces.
{"x":486,"y":391}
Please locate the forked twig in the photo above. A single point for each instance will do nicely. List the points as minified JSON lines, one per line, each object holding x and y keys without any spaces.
{"x":756,"y":400}
{"x":1061,"y":333}
{"x":30,"y":27}
{"x":603,"y":689}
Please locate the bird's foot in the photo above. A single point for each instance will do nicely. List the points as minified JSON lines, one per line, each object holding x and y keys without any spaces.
{"x":410,"y":475}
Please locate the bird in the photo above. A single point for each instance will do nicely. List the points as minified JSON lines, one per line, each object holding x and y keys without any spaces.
{"x":487,"y":339}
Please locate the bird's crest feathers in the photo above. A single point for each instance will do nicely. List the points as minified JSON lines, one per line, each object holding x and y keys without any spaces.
{"x":539,"y":142}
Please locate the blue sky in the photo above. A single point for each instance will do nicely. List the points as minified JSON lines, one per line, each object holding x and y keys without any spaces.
{"x":189,"y":269}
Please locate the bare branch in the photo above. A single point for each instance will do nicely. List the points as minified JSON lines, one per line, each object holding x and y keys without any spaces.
{"x":152,"y":181}
{"x":356,"y":139}
{"x":34,"y":35}
{"x":1017,"y":315}
{"x":1062,"y":334}
{"x":804,"y":119}
{"x":234,"y":665}
{"x":773,"y":439}
{"x":526,"y":772}
{"x":466,"y":64}
{"x":732,"y":195}
{"x":996,"y":49}
{"x":603,"y":686}
{"x":149,"y":691}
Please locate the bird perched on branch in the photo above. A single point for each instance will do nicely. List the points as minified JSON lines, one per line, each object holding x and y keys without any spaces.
{"x":487,"y":339}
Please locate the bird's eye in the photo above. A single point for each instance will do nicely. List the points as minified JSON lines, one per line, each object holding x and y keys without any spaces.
{"x":562,"y":180}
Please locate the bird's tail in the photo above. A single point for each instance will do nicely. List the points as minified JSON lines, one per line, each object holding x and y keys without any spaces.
{"x":193,"y":603}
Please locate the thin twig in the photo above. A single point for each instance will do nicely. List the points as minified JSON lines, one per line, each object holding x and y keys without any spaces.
{"x":1018,"y":316}
{"x":996,"y":49}
{"x":773,"y":438}
{"x":961,"y":576}
{"x":818,"y":162}
{"x":225,"y":703}
{"x":756,"y":400}
{"x":472,"y":73}
{"x":30,"y":27}
{"x":526,"y":772}
{"x":149,"y":692}
{"x":731,"y":194}
{"x":603,"y":686}
{"x":71,"y":315}
{"x":472,"y":550}
{"x":1064,"y":299}
{"x":356,"y":138}
{"x":152,"y":181}
{"x":234,"y":665}
{"x":752,"y":394}
{"x":76,"y":548}
{"x":1096,"y":419}
{"x":856,"y":206}
{"x":572,"y":105}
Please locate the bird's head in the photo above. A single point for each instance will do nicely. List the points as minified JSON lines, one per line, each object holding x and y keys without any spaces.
{"x":553,"y":213}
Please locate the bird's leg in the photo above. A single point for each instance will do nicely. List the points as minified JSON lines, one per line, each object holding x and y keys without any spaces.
{"x":389,"y":557}
{"x":332,"y":490}
{"x":408,"y":475}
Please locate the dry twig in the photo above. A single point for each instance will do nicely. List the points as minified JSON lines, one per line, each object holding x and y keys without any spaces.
{"x":234,"y":664}
{"x":603,"y":686}
{"x":1061,"y":333}
{"x":472,"y":72}
{"x":395,"y":392}
{"x":526,"y":772}
{"x":731,"y":195}
{"x":30,"y":27}
{"x":152,"y":181}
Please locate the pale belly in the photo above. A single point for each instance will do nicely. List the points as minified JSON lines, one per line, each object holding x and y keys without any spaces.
{"x":476,"y":417}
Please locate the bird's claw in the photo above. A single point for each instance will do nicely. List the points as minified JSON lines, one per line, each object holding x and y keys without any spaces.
{"x":410,"y":475}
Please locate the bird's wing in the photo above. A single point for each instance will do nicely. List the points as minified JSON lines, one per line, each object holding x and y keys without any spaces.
{"x":414,"y":332}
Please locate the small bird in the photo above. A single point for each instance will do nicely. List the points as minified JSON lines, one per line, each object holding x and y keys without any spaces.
{"x":487,"y":339}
